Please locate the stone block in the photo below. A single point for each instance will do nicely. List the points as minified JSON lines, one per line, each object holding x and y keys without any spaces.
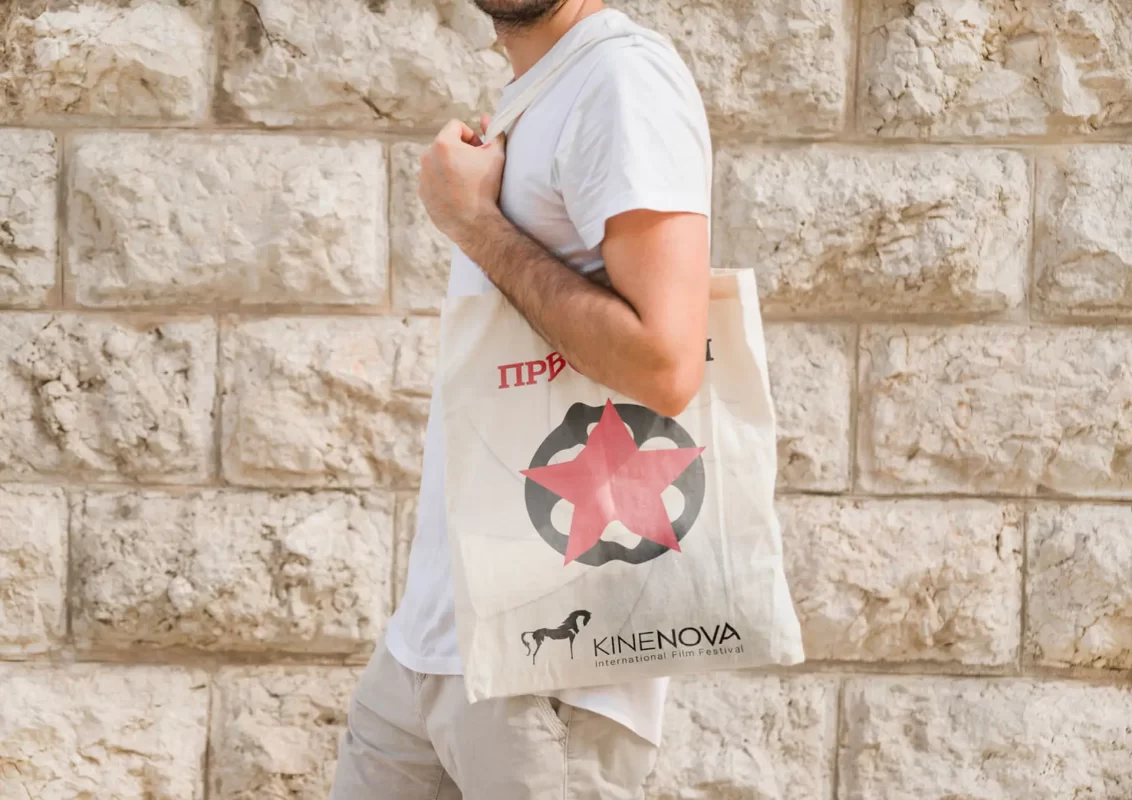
{"x":28,"y":255}
{"x":275,"y":731}
{"x":105,"y":399}
{"x":905,"y":581}
{"x":939,"y":739}
{"x":315,"y":402}
{"x":406,"y":530}
{"x":33,"y":569}
{"x":993,"y":68}
{"x":996,"y":410}
{"x":1083,"y":232}
{"x":130,"y":61}
{"x":811,"y":368}
{"x":420,"y":255}
{"x":833,"y":231}
{"x":358,"y":63}
{"x":1079,"y":596}
{"x":232,"y":571}
{"x":241,"y":220}
{"x":102,"y":731}
{"x":735,"y":735}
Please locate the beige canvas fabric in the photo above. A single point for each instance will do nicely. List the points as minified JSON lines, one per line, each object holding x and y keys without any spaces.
{"x":687,"y":574}
{"x":416,"y":737}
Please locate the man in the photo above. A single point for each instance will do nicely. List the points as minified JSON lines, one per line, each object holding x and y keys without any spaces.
{"x":592,"y":219}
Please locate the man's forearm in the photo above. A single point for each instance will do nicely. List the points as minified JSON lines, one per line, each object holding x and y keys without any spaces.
{"x":594,"y":329}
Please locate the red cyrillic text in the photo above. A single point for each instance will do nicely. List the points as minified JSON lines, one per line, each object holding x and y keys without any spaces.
{"x":557,"y":364}
{"x":512,"y":374}
{"x":503,"y":384}
{"x":534,"y":369}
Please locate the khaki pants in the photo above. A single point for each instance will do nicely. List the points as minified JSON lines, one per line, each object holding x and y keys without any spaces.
{"x":416,"y":737}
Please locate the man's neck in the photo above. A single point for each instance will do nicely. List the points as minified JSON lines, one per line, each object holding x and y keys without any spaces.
{"x":525,"y":46}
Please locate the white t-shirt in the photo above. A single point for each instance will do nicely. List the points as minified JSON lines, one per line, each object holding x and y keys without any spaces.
{"x":623,"y":128}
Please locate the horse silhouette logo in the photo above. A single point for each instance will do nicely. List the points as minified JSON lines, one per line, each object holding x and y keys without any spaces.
{"x":569,"y":629}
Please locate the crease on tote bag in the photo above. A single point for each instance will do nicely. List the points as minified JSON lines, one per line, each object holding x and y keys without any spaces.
{"x":479,"y":434}
{"x":559,"y":587}
{"x":721,"y":554}
{"x":748,"y":296}
{"x":569,"y":582}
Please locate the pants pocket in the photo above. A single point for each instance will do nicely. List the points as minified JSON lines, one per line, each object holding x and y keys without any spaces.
{"x":555,"y":714}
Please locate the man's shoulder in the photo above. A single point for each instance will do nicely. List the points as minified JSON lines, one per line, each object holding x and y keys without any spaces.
{"x":637,"y":63}
{"x":636,"y":72}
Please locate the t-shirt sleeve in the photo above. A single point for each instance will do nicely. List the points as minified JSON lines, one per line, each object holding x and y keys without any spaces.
{"x":636,"y":138}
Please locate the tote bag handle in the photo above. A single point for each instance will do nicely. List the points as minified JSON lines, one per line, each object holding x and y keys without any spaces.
{"x":577,"y":48}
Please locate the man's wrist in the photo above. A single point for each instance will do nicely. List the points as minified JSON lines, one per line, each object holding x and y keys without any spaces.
{"x":475,"y":236}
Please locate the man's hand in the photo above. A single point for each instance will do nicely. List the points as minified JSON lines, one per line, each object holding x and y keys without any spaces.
{"x":460,"y":181}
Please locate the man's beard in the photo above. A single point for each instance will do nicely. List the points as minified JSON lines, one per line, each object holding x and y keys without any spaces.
{"x":518,"y":13}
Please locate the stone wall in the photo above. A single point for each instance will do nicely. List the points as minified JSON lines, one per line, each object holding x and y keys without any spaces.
{"x":219,"y":298}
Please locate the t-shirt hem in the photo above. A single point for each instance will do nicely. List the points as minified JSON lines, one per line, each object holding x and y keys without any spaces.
{"x":417,"y":663}
{"x":592,"y":233}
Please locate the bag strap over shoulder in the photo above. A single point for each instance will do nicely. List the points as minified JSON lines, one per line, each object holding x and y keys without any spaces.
{"x":562,"y":60}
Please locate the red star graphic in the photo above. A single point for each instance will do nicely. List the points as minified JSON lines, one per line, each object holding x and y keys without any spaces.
{"x":613,"y":479}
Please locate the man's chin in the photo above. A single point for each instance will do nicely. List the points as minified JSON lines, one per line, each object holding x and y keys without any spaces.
{"x":518,"y":13}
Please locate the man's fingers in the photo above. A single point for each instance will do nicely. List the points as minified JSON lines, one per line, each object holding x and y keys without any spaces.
{"x":456,"y":131}
{"x":453,"y":131}
{"x":485,"y":123}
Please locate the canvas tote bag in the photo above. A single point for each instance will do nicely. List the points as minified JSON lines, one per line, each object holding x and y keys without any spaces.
{"x":594,"y":541}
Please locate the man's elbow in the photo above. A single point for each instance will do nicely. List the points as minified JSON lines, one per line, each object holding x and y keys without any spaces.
{"x":673,"y":388}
